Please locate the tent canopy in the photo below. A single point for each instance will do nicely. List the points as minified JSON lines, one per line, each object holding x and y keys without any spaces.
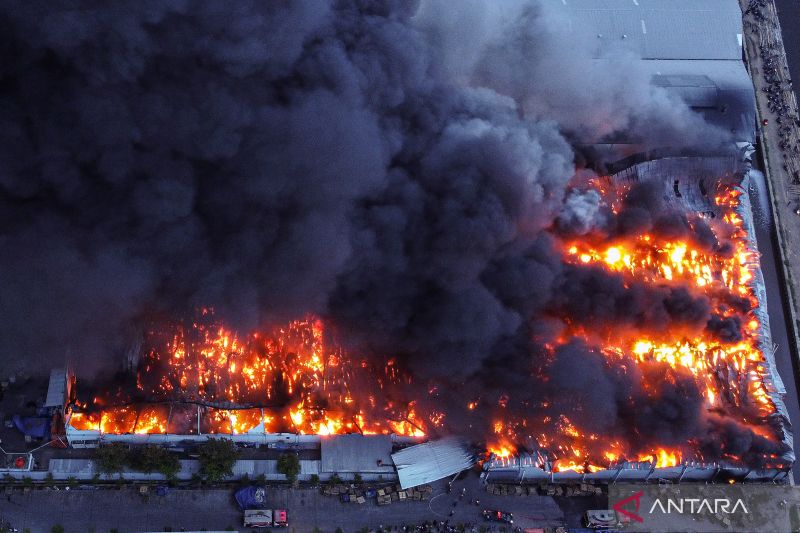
{"x":36,"y":427}
{"x":251,"y":497}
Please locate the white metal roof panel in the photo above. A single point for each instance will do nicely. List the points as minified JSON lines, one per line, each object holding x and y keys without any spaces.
{"x":431,"y":461}
{"x":71,"y":466}
{"x":269,"y":468}
{"x":57,"y":388}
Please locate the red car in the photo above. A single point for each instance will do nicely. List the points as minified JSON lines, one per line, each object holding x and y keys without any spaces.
{"x":498,"y":516}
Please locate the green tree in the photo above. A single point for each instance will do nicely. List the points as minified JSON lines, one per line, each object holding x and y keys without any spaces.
{"x":338,"y":530}
{"x":289,"y":466}
{"x":156,"y":459}
{"x":314,"y":479}
{"x":58,"y":528}
{"x":111,"y":459}
{"x":357,"y":478}
{"x":217,"y":457}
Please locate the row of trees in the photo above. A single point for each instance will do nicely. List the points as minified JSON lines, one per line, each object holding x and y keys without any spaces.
{"x":115,"y":458}
{"x":217,"y":457}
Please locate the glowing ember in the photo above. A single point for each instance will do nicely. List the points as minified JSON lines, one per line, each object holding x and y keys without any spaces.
{"x":290,"y":378}
{"x":204,"y":378}
{"x":730,"y":368}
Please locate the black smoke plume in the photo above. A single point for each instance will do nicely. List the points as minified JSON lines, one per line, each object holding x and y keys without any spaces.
{"x":274,"y":159}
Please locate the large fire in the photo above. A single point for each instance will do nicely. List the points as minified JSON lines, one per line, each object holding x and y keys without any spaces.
{"x":730,"y":372}
{"x":293,"y":379}
{"x":289,"y":380}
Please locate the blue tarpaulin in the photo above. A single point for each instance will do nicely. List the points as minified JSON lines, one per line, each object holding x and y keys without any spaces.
{"x":251,"y":498}
{"x":34,"y":426}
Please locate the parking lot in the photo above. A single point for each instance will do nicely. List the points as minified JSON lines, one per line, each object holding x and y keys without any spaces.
{"x":126,"y":510}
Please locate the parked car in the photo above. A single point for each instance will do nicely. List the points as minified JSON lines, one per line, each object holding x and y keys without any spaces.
{"x":498,"y":516}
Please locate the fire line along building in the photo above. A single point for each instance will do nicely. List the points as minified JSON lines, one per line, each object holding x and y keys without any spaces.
{"x":287,"y":389}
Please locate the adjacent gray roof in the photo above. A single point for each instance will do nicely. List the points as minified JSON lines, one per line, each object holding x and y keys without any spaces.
{"x":721,"y":91}
{"x":71,"y":466}
{"x":269,"y":468}
{"x":428,"y":462}
{"x":661,"y":29}
{"x":57,"y":388}
{"x":356,"y":453}
{"x":691,"y":48}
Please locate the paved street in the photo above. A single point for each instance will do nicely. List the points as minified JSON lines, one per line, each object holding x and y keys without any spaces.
{"x":126,"y":511}
{"x":789,"y":14}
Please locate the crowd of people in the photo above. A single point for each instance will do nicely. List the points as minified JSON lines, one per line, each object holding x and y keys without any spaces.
{"x":762,"y":20}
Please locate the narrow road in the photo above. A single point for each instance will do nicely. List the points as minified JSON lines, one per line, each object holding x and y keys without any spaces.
{"x":789,"y":16}
{"x":780,"y":147}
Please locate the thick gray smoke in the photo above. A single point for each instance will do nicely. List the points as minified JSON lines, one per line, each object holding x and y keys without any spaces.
{"x":581,"y":212}
{"x":386,"y":165}
{"x":556,"y":68}
{"x":269,"y":160}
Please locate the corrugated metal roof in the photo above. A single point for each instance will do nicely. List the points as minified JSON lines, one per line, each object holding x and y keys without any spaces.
{"x":269,"y":468}
{"x":356,"y":453}
{"x":57,"y":388}
{"x":730,"y":104}
{"x":71,"y":466}
{"x":660,"y":29}
{"x":428,"y":462}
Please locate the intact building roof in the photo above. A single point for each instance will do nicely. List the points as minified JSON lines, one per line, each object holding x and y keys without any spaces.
{"x":691,"y":48}
{"x":269,"y":468}
{"x":662,"y":29}
{"x":71,"y":466}
{"x":721,"y":91}
{"x":57,"y":388}
{"x":356,"y":453}
{"x":430,"y":461}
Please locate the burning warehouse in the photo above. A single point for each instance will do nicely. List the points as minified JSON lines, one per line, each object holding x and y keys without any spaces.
{"x":290,"y":387}
{"x":365,"y":231}
{"x":737,"y":371}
